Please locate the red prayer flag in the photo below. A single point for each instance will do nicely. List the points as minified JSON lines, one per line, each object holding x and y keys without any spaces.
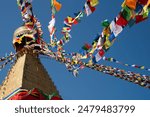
{"x":143,"y":2}
{"x":139,"y":18}
{"x":101,"y":52}
{"x":121,"y":21}
{"x":91,"y":8}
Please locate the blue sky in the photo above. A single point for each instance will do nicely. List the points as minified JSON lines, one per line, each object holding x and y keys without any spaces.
{"x":131,"y":46}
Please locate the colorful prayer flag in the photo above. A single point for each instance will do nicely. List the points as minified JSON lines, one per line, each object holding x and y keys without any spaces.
{"x":140,"y":18}
{"x":98,"y":56}
{"x":115,"y":28}
{"x":126,"y":13}
{"x":88,"y":8}
{"x":143,"y":2}
{"x":105,"y":23}
{"x":121,"y":21}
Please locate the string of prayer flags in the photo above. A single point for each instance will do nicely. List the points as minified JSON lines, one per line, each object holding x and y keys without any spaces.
{"x":55,"y":7}
{"x":30,"y":20}
{"x":38,"y":28}
{"x":129,"y":15}
{"x":132,"y":12}
{"x":69,"y":21}
{"x":129,"y":76}
{"x":6,"y":57}
{"x":26,"y":10}
{"x":125,"y":64}
{"x":51,"y":27}
{"x":9,"y":59}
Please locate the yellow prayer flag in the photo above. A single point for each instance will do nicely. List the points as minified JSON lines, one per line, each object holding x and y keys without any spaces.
{"x":94,"y":45}
{"x":142,"y":67}
{"x":123,"y":4}
{"x":93,"y":3}
{"x":70,"y":19}
{"x":107,"y":44}
{"x":90,"y":62}
{"x":106,"y":31}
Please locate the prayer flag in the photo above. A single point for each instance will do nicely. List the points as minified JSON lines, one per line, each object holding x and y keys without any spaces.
{"x":98,"y":56}
{"x":131,"y":3}
{"x":89,"y":9}
{"x":94,"y":3}
{"x":121,"y":21}
{"x":115,"y":28}
{"x":57,"y":5}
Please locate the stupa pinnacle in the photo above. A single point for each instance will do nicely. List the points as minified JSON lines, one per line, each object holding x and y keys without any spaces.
{"x":28,"y":73}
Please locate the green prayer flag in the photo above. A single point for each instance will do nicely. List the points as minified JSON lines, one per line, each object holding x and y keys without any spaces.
{"x":110,"y":59}
{"x":105,"y":23}
{"x":126,"y":13}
